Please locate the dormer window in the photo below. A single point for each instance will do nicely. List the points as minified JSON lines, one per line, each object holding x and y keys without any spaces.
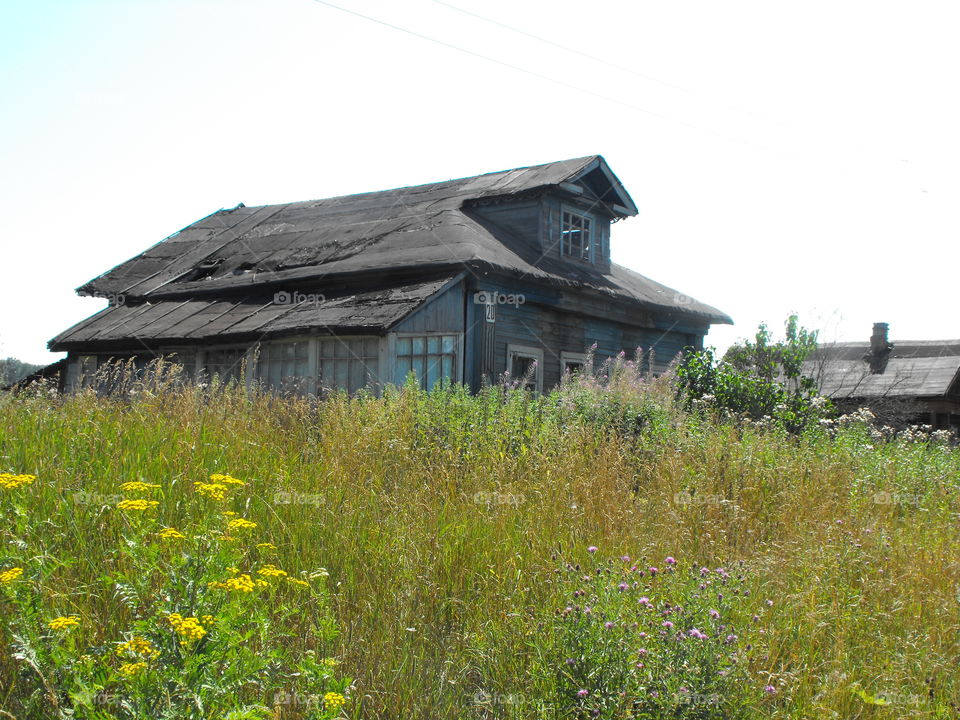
{"x":576,"y":236}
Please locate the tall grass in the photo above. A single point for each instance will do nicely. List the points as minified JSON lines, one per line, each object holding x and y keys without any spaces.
{"x":442,"y":516}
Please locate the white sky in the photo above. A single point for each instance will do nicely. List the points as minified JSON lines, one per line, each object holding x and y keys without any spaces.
{"x":784,"y":157}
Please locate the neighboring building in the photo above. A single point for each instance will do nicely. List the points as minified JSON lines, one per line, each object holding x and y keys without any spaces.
{"x":918,"y":381}
{"x":459,"y":280}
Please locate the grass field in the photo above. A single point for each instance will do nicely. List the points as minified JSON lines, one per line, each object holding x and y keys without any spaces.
{"x":468,"y":556}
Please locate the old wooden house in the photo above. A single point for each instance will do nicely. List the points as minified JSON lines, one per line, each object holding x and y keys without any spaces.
{"x":908,"y":381}
{"x":463,"y":280}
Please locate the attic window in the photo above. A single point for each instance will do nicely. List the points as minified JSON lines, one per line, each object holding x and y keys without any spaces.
{"x":576,"y":235}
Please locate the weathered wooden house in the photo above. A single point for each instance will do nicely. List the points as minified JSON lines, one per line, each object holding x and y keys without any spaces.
{"x":909,"y":380}
{"x":461,"y":280}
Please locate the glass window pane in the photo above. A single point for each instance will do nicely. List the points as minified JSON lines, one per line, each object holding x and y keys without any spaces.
{"x":403,"y":346}
{"x":433,"y":344}
{"x":449,"y":343}
{"x":417,"y":345}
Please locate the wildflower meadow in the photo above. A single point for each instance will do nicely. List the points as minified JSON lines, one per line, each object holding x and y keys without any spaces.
{"x":604,"y":551}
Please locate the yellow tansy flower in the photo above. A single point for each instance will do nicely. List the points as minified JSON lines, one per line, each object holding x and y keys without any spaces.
{"x":266,"y":546}
{"x":333,"y":700}
{"x":8,"y":576}
{"x":226,"y":480}
{"x":137,"y":504}
{"x":298,"y":581}
{"x":188,"y":628}
{"x":271,"y":571}
{"x":64,"y":623}
{"x":241,"y":524}
{"x":229,"y":513}
{"x":137,"y":486}
{"x":9,"y":481}
{"x":171,"y":534}
{"x":138,"y":645}
{"x":330,"y":662}
{"x":207,"y":619}
{"x":131,"y":669}
{"x":214,"y":491}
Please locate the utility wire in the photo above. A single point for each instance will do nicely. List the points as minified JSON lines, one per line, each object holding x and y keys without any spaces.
{"x":572,"y":86}
{"x":574,"y":51}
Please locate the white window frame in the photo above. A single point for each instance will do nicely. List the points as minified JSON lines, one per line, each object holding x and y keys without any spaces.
{"x":589,"y":232}
{"x":526,"y":351}
{"x":571,"y":357}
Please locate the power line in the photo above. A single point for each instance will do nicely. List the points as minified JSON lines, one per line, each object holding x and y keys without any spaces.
{"x":572,"y":86}
{"x":574,"y":51}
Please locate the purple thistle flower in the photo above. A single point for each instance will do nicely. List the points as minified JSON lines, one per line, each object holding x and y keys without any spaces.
{"x":625,"y":558}
{"x":582,"y":693}
{"x":623,"y":586}
{"x":670,"y":561}
{"x":714,"y":614}
{"x":592,"y":549}
{"x":769,"y":689}
{"x":608,"y":625}
{"x":653,"y":571}
{"x":668,"y":625}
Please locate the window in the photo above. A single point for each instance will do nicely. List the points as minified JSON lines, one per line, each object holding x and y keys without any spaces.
{"x":576,"y":235}
{"x":224,"y":363}
{"x":572,"y":363}
{"x":348,"y":363}
{"x":285,"y":365}
{"x":525,"y":365}
{"x":432,"y":358}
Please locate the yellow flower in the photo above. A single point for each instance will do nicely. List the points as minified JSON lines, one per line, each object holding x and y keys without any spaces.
{"x":131,"y":669}
{"x":138,"y":645}
{"x":271,"y":571}
{"x":171,"y":534}
{"x":207,"y":619}
{"x":241,"y":524}
{"x":298,"y":581}
{"x":240,"y":583}
{"x":226,"y":480}
{"x":137,"y":504}
{"x":8,"y":576}
{"x":11,"y":482}
{"x":228,"y":513}
{"x":330,"y":662}
{"x":214,"y":491}
{"x":188,"y":628}
{"x":266,"y":546}
{"x":137,"y":486}
{"x":64,"y":623}
{"x":333,"y":700}
{"x":233,"y":570}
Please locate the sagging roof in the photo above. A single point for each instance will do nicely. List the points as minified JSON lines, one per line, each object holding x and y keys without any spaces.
{"x":249,"y":316}
{"x":924,"y":368}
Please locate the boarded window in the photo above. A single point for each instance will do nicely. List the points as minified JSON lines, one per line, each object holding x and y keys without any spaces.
{"x":285,"y":366}
{"x":224,"y":363}
{"x":348,"y":363}
{"x":431,"y":358}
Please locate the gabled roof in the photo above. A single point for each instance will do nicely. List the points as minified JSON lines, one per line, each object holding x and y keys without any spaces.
{"x":424,"y":230}
{"x":924,"y":368}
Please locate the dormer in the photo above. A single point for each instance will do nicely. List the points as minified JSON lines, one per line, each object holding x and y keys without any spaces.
{"x":565,"y":218}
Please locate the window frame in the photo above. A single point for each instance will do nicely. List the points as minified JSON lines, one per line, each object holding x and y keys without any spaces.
{"x":532,"y":353}
{"x":457,"y":364}
{"x":587,"y":230}
{"x":572,"y":358}
{"x":373,"y":384}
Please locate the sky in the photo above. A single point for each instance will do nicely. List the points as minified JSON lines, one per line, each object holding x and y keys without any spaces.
{"x":785,"y":157}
